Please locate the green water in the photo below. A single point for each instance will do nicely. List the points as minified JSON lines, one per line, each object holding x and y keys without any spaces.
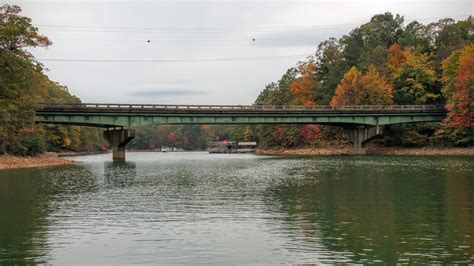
{"x":189,"y":208}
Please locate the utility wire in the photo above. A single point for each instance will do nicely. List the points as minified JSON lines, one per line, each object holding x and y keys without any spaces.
{"x":137,"y":30}
{"x":170,"y":60}
{"x":242,"y":40}
{"x":209,"y":29}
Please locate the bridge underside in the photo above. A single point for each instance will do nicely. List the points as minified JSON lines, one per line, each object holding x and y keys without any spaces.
{"x":134,"y":120}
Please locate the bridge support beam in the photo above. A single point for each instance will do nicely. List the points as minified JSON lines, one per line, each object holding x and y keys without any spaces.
{"x":117,"y":139}
{"x":360,"y":134}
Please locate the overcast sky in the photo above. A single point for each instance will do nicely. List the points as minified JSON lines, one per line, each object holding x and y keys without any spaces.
{"x":284,"y":33}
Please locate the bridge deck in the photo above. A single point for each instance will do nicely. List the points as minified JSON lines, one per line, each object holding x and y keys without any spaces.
{"x":209,"y":109}
{"x":132,"y":115}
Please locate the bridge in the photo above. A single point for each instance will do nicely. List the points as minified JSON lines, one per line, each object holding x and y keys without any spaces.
{"x":359,"y":123}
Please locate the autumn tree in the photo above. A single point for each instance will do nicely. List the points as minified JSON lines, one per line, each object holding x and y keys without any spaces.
{"x":17,"y":65}
{"x":304,"y":87}
{"x":374,"y":89}
{"x":356,"y":88}
{"x":412,"y":76}
{"x":347,"y":89}
{"x":17,"y":74}
{"x":23,"y":85}
{"x":458,"y":80}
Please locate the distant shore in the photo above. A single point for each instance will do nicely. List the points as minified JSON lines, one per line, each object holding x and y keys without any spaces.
{"x":43,"y":160}
{"x":326,"y":151}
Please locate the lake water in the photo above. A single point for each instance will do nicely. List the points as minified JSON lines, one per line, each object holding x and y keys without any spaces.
{"x":199,"y":208}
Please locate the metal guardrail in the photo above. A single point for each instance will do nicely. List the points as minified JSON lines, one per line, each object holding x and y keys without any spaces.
{"x":174,"y":107}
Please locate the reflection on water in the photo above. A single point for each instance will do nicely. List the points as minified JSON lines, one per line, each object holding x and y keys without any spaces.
{"x":214,"y":209}
{"x":119,"y":174}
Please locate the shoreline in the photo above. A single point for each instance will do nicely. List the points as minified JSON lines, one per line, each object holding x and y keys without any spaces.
{"x":43,"y":160}
{"x":418,"y":151}
{"x":54,"y":159}
{"x":72,"y":154}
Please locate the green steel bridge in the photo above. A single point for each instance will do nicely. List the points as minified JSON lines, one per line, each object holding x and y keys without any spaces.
{"x":359,"y":123}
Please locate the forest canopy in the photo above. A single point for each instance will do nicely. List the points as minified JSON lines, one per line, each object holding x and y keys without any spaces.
{"x":24,"y":86}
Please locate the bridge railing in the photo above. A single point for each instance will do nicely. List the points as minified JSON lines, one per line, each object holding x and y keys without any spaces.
{"x":146,"y":107}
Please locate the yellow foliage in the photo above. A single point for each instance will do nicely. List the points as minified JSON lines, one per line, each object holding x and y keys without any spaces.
{"x":358,"y":89}
{"x":67,"y":142}
{"x":347,"y":88}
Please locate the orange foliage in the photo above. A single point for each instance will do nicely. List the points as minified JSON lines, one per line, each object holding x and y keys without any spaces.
{"x":461,"y":99}
{"x":396,"y":57}
{"x":357,"y":89}
{"x":304,"y":87}
{"x":347,"y":88}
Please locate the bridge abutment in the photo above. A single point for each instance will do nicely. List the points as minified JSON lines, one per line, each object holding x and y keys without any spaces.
{"x":360,"y":134}
{"x":117,"y":139}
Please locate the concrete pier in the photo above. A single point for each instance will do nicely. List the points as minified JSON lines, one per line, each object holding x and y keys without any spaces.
{"x":117,"y":139}
{"x":360,"y":134}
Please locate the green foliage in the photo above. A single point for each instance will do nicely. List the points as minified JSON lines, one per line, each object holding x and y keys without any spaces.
{"x":364,"y":45}
{"x":24,"y":86}
{"x":411,"y":86}
{"x":278,"y":93}
{"x":412,"y":138}
{"x":460,"y":136}
{"x":27,"y":144}
{"x":414,"y":37}
{"x":446,"y":36}
{"x":330,"y":68}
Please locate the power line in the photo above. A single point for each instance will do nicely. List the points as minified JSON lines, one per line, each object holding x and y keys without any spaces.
{"x":137,"y":30}
{"x":209,"y":29}
{"x":170,"y":60}
{"x":243,"y":40}
{"x":190,"y":28}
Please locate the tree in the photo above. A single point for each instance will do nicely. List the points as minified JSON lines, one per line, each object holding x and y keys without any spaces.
{"x":412,"y":75}
{"x":446,"y":36}
{"x":415,"y":38}
{"x":304,"y":87}
{"x":458,"y":80}
{"x":311,"y":134}
{"x":374,"y":89}
{"x":330,"y":68}
{"x":17,"y":32}
{"x":358,"y":89}
{"x":278,"y":93}
{"x":364,"y":46}
{"x":347,"y":89}
{"x":23,"y":85}
{"x":268,"y":95}
{"x":16,"y":35}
